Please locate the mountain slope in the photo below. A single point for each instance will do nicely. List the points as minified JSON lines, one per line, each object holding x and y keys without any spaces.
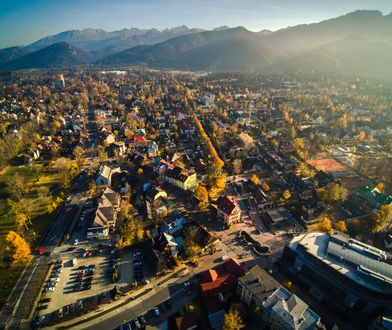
{"x":11,"y":53}
{"x":103,"y":43}
{"x":57,"y":55}
{"x":228,"y":49}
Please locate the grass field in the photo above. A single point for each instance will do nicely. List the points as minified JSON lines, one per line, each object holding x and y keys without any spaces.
{"x":40,"y":217}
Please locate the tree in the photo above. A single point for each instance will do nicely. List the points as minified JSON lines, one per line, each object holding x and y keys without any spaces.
{"x":361,"y":135}
{"x":265,"y":187}
{"x":21,"y":221}
{"x":255,"y":180}
{"x":17,"y":251}
{"x":341,"y":226}
{"x":380,"y":186}
{"x":78,"y":153}
{"x":38,"y":171}
{"x":233,"y":320}
{"x":292,"y":132}
{"x":286,"y":194}
{"x":237,"y":166}
{"x":16,"y":186}
{"x":383,"y":218}
{"x":325,"y":225}
{"x":332,"y":192}
{"x":201,"y":194}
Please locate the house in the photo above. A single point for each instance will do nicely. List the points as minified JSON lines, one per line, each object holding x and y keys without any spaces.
{"x":173,"y":223}
{"x":256,"y":286}
{"x":116,"y":149}
{"x":228,"y":210}
{"x":186,"y":322}
{"x":221,"y":279}
{"x":167,"y":243}
{"x":152,"y":149}
{"x":105,"y":173}
{"x":181,"y":178}
{"x":284,"y":310}
{"x":374,"y":197}
{"x":105,"y":216}
{"x":152,"y":195}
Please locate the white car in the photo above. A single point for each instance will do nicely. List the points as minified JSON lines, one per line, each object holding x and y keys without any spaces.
{"x":225,"y":257}
{"x":137,"y":323}
{"x":156,"y":311}
{"x":76,"y":242}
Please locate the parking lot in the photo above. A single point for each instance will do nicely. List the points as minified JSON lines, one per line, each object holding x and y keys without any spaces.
{"x":86,"y":269}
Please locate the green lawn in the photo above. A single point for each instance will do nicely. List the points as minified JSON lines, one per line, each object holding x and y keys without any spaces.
{"x":40,"y":218}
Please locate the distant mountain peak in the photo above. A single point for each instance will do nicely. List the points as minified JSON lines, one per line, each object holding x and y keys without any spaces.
{"x":221,"y":28}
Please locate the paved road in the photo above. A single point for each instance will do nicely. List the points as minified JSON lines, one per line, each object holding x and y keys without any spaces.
{"x":175,"y":292}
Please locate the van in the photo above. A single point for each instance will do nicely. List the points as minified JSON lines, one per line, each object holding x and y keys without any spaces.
{"x":74,"y":262}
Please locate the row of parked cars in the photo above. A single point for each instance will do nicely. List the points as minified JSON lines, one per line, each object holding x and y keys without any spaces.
{"x":84,"y":278}
{"x":54,"y":277}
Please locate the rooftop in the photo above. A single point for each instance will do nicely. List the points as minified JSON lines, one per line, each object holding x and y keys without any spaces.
{"x":366,"y":265}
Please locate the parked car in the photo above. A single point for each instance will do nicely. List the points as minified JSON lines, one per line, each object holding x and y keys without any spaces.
{"x":137,"y":323}
{"x":46,"y":300}
{"x":225,"y":257}
{"x":76,"y":242}
{"x":137,"y":254}
{"x":168,"y":305}
{"x":156,"y":311}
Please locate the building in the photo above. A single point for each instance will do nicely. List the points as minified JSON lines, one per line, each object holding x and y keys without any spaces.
{"x":228,"y":210}
{"x":283,"y":310}
{"x":105,"y":216}
{"x":256,"y":286}
{"x":152,"y":195}
{"x":221,"y":279}
{"x":104,"y":177}
{"x":358,"y":276}
{"x":181,"y":178}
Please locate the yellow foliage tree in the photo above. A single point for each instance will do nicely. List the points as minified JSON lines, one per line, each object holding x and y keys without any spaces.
{"x":383,"y":218}
{"x":254,"y":179}
{"x":233,"y":320}
{"x":362,"y":135}
{"x":17,"y":250}
{"x":380,"y":186}
{"x":325,"y":225}
{"x":286,"y":194}
{"x":201,"y":194}
{"x":341,"y":226}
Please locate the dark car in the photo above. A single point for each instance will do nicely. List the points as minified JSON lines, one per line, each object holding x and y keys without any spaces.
{"x":168,"y":304}
{"x":46,"y":300}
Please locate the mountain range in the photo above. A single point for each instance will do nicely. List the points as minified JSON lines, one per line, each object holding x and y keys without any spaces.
{"x":357,"y":43}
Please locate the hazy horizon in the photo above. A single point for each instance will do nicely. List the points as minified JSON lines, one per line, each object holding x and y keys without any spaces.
{"x":23,"y":22}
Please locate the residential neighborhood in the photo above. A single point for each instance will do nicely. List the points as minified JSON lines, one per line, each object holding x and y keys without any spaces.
{"x":183,"y":200}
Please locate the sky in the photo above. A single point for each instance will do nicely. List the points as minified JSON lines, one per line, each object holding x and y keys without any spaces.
{"x":25,"y":21}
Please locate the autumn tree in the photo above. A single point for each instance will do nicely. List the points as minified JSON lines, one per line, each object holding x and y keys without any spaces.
{"x":286,"y":194}
{"x":233,"y":320}
{"x":254,"y":179}
{"x":383,"y":218}
{"x":332,"y":192}
{"x":361,"y":135}
{"x":16,"y":251}
{"x":237,"y":166}
{"x":341,"y":226}
{"x":78,"y":154}
{"x":201,"y":194}
{"x":325,"y":225}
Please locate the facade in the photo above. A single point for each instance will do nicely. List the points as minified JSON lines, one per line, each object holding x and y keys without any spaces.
{"x":358,"y":276}
{"x":228,"y":210}
{"x":152,"y":195}
{"x":105,"y":173}
{"x":256,"y":286}
{"x":181,"y":178}
{"x":283,"y":310}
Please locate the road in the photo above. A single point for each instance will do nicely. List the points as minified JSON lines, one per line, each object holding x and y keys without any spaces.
{"x":175,"y":292}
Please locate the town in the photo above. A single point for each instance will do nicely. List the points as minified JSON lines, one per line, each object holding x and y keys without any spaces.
{"x":139,"y":198}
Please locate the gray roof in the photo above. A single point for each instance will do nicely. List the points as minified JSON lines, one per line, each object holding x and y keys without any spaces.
{"x":366,"y":265}
{"x":259,"y":282}
{"x":291,"y":309}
